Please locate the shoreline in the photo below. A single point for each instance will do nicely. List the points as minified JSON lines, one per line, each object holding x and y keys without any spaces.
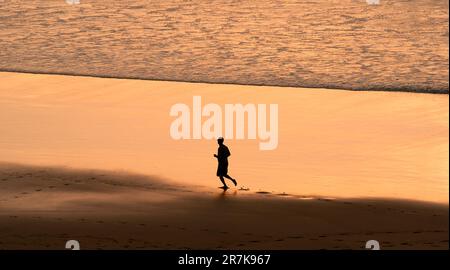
{"x":399,"y":89}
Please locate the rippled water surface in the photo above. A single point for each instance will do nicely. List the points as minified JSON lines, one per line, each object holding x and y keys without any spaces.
{"x":401,"y":44}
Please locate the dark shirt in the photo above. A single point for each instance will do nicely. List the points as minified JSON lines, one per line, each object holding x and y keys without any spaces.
{"x":223,"y":153}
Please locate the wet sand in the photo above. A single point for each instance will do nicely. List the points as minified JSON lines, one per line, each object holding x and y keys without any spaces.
{"x":91,"y":159}
{"x":348,"y":44}
{"x":331,"y":143}
{"x":43,"y":207}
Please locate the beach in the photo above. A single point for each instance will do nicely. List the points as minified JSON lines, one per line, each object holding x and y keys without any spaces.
{"x":43,"y":207}
{"x":92,"y":159}
{"x":330,"y":143}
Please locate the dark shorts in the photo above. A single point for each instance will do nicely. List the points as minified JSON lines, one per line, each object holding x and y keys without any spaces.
{"x":222,"y":169}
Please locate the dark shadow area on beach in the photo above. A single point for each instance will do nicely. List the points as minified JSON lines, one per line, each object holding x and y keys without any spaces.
{"x":43,"y":207}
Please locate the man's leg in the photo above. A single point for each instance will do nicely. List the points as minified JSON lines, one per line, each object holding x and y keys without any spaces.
{"x":232,"y":179}
{"x":223,"y":181}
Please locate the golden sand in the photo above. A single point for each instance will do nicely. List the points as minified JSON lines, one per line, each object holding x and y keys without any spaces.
{"x":331,"y":143}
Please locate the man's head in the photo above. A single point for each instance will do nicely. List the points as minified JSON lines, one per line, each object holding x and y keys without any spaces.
{"x":220,"y":140}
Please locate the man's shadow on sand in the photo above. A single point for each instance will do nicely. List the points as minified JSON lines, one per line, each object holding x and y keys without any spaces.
{"x":226,"y":193}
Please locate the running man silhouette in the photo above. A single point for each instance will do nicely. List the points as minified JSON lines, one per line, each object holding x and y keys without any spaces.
{"x":222,"y":157}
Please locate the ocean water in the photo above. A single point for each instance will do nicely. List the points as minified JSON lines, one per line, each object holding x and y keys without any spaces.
{"x":397,"y":45}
